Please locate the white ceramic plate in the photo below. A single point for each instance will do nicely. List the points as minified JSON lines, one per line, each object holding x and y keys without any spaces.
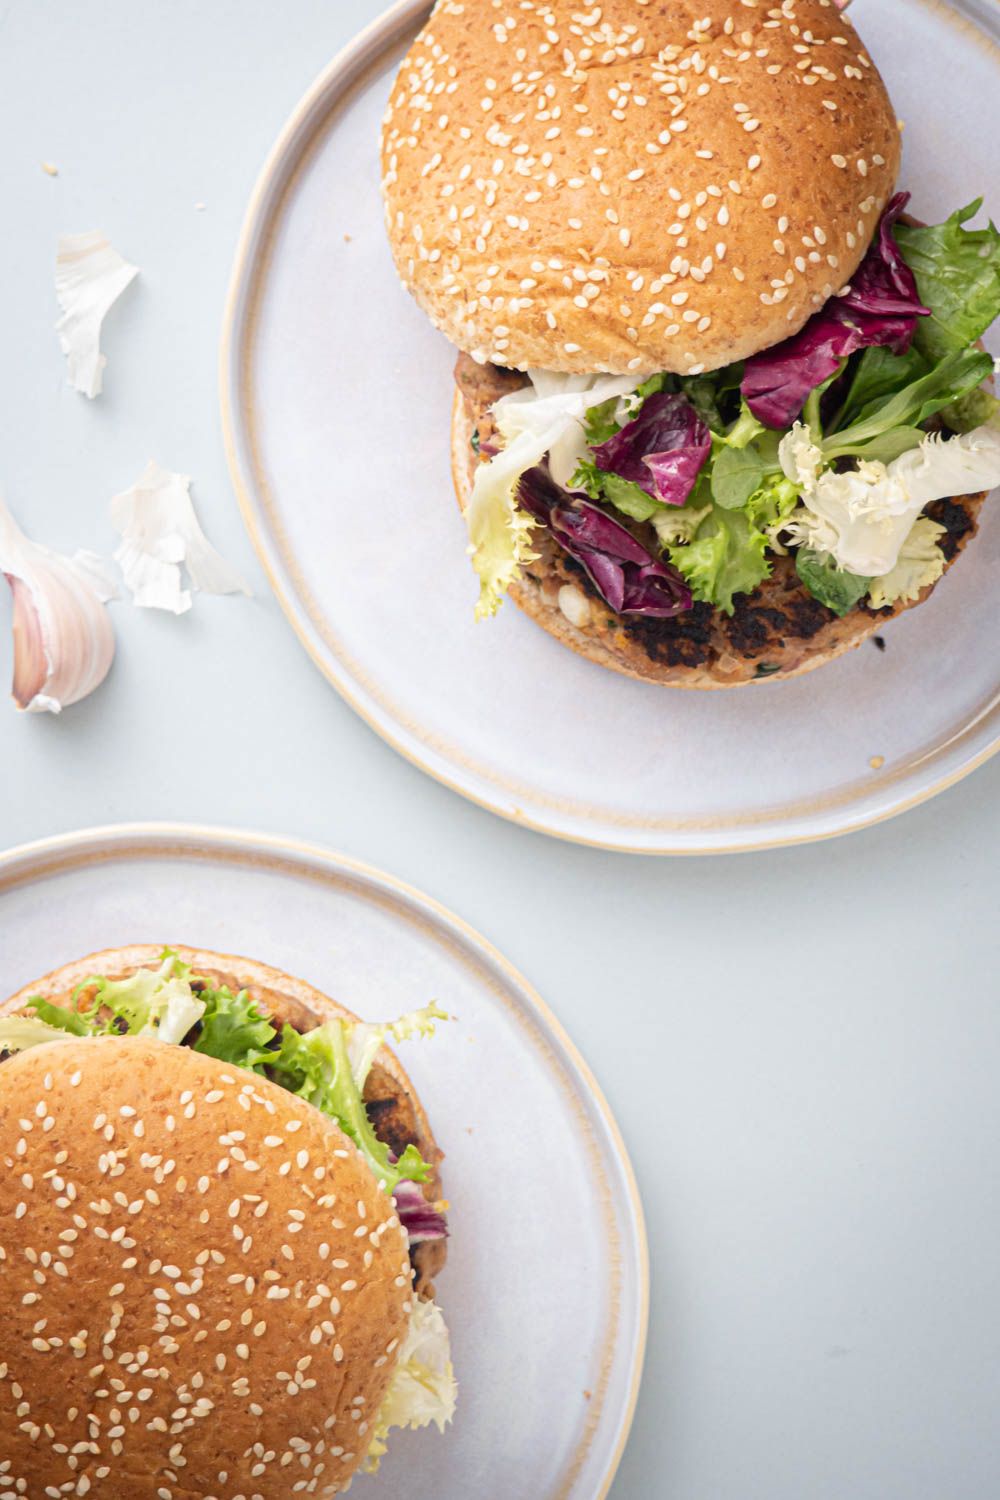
{"x":545,"y":1289}
{"x":336,"y":396}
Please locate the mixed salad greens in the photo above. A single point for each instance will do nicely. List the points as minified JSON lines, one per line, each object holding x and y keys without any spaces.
{"x":327,"y":1066}
{"x":829,"y":445}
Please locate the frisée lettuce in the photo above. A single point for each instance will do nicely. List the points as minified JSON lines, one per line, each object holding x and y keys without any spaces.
{"x":316,"y":1066}
{"x":861,"y":517}
{"x":364,"y":1038}
{"x":920,"y":563}
{"x":151,"y":1002}
{"x":423,"y":1389}
{"x":18,"y":1033}
{"x":726,"y":557}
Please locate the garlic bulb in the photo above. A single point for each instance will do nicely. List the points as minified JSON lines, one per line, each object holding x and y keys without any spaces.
{"x":160,"y":531}
{"x":64,"y":643}
{"x":90,"y":277}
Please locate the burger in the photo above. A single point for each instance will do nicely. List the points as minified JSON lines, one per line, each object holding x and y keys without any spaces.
{"x":221,"y":1223}
{"x":722,"y":408}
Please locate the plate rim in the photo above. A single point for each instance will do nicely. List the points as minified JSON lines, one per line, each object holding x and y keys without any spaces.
{"x":25,"y":863}
{"x":278,"y":170}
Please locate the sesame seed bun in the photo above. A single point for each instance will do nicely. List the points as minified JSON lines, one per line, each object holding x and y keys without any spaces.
{"x":779,"y":628}
{"x":203,"y":1284}
{"x":633,"y":184}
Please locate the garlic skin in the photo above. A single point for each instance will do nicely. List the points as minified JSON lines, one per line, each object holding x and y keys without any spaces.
{"x":90,"y":277}
{"x":160,"y":532}
{"x":64,"y":642}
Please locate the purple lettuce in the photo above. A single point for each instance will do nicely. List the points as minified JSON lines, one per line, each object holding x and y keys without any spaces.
{"x":418,"y":1217}
{"x":881,"y":306}
{"x":662,"y":450}
{"x":627,"y":577}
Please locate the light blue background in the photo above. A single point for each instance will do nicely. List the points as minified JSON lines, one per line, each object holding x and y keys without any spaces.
{"x":801,"y":1047}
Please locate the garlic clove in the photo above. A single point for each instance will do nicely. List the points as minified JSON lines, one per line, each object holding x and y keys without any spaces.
{"x":31,"y":666}
{"x":161,"y":533}
{"x":64,"y":642}
{"x":90,"y":277}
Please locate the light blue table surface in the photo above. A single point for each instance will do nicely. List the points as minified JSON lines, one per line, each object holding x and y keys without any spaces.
{"x":802,"y":1047}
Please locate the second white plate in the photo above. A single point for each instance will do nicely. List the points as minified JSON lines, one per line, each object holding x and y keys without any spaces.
{"x":545,"y":1289}
{"x":337,"y":395}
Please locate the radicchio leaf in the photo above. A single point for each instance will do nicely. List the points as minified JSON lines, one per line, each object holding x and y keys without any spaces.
{"x":881,"y":306}
{"x":662,"y":449}
{"x":627,"y":577}
{"x":420,"y":1219}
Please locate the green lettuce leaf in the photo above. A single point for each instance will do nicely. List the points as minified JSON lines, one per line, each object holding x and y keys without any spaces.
{"x":876,"y":375}
{"x":703,"y":394}
{"x":18,"y":1033}
{"x":600,"y":423}
{"x":651,"y":387}
{"x":979,"y":408}
{"x":589,"y":479}
{"x":715,"y":395}
{"x":894,"y":424}
{"x":631,"y":499}
{"x":736,"y":474}
{"x":233,"y":1029}
{"x":327,"y":1066}
{"x":776,"y":498}
{"x":727,"y":557}
{"x":625,"y":496}
{"x":60,"y":1017}
{"x":745,"y":428}
{"x":679,"y":523}
{"x":958,"y":277}
{"x":880,"y":447}
{"x":838,"y":590}
{"x":317,"y":1067}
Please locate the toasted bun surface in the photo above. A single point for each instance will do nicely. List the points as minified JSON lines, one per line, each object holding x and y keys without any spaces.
{"x":203,"y":1283}
{"x":668,"y":185}
{"x":780,"y":627}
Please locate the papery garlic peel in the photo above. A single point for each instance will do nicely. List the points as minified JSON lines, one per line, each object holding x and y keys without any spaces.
{"x":64,"y":642}
{"x":90,"y":277}
{"x":160,"y":534}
